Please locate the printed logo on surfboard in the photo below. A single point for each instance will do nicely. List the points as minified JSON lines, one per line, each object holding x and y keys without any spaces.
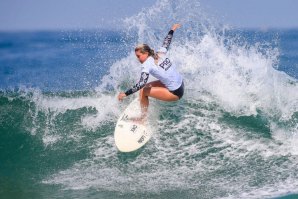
{"x":133,"y":128}
{"x":142,"y":139}
{"x":124,"y":118}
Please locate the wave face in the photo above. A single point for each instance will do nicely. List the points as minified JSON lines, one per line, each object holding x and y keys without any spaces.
{"x":233,"y":134}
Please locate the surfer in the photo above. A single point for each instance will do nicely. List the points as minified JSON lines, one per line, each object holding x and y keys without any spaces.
{"x":168,"y":87}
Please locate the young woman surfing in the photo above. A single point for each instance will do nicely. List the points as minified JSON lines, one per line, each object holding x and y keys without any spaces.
{"x":168,"y":87}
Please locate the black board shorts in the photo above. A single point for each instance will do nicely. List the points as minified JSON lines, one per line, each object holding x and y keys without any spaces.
{"x":180,"y":91}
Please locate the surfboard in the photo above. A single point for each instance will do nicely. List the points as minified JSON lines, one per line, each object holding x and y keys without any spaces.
{"x":130,"y":135}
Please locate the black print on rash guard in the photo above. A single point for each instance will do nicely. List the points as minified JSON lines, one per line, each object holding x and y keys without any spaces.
{"x":168,"y":39}
{"x":166,"y":64}
{"x":142,"y":82}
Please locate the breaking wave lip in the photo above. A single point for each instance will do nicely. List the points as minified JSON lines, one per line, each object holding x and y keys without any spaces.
{"x":63,"y":116}
{"x":241,"y":77}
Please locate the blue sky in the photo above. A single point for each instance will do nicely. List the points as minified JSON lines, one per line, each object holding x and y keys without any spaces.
{"x":74,"y":14}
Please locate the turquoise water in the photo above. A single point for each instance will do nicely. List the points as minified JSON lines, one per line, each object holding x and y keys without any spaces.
{"x":233,"y":134}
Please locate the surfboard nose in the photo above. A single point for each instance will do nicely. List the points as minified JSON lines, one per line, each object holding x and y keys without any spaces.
{"x":131,"y":135}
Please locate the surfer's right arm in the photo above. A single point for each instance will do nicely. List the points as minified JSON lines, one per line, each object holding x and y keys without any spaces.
{"x":142,"y":82}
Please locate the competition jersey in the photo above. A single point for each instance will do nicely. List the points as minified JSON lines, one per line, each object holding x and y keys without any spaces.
{"x":165,"y":70}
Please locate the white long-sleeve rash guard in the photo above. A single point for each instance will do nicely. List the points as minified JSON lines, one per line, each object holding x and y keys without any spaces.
{"x":166,"y":71}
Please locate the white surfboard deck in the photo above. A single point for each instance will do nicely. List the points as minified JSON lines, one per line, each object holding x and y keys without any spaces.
{"x":129,"y":135}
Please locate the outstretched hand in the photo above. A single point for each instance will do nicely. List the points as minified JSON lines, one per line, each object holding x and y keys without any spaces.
{"x":175,"y":26}
{"x":121,"y":96}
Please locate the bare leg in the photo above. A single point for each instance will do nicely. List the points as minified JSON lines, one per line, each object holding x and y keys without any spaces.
{"x":156,"y":90}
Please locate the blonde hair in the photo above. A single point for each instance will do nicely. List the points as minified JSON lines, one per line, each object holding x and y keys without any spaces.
{"x":144,"y":48}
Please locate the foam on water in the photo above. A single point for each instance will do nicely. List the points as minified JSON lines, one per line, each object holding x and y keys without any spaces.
{"x":97,"y":109}
{"x":201,"y":143}
{"x":190,"y":155}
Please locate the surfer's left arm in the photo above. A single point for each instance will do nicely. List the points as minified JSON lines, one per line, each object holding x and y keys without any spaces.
{"x":168,"y":39}
{"x":142,"y":82}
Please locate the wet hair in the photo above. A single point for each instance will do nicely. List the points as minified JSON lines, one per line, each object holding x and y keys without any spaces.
{"x":144,"y":48}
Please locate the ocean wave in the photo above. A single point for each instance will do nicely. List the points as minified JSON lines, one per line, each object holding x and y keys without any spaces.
{"x":233,"y":134}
